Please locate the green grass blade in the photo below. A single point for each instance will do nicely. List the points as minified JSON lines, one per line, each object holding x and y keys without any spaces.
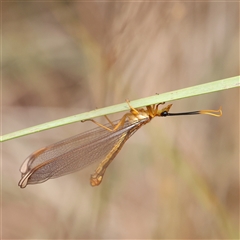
{"x":165,"y":97}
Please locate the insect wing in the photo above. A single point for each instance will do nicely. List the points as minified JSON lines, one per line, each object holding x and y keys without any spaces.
{"x":72,"y":154}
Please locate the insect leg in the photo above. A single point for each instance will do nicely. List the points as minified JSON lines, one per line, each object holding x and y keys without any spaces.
{"x":97,"y":177}
{"x":116,"y":127}
{"x":133,"y":110}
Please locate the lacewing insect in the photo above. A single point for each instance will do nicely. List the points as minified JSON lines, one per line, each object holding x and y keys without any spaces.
{"x":100,"y":144}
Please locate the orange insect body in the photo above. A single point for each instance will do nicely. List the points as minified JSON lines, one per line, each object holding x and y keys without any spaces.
{"x":100,"y":144}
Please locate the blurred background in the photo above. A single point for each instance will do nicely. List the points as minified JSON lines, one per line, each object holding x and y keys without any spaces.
{"x":176,"y":177}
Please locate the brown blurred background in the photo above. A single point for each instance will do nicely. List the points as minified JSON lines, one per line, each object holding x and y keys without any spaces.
{"x":176,"y":177}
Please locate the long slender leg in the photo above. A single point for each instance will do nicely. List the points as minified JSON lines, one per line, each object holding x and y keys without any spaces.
{"x":151,"y":110}
{"x":120,"y":123}
{"x":116,"y":127}
{"x":133,"y":110}
{"x":156,"y":109}
{"x":99,"y":124}
{"x":109,"y":120}
{"x":97,"y":177}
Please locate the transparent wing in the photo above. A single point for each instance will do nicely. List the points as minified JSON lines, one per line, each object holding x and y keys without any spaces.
{"x":72,"y":154}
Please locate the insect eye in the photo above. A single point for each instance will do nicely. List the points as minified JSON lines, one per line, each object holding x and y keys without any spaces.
{"x":164,"y":114}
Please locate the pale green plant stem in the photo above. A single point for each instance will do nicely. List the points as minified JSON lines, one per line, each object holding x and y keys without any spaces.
{"x":165,"y":97}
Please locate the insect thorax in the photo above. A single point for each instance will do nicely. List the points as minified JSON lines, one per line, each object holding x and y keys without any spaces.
{"x":133,"y":117}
